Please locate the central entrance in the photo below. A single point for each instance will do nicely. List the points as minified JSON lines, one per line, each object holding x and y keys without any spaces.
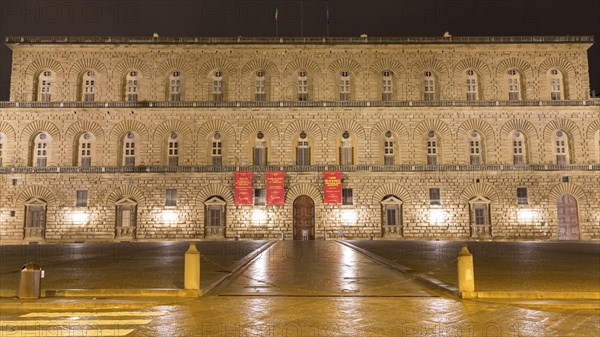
{"x":568,"y":223}
{"x":304,"y":218}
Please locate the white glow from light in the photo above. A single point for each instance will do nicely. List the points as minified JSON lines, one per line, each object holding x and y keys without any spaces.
{"x":169,"y":216}
{"x":349,"y":216}
{"x":437,"y":215}
{"x":526,"y":215}
{"x":79,"y":217}
{"x":258,"y":215}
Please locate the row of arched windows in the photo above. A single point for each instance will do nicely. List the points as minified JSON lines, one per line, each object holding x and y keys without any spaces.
{"x":303,"y":143}
{"x":429,"y":90}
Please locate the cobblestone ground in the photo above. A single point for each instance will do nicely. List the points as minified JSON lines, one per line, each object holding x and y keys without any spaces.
{"x":508,"y":266}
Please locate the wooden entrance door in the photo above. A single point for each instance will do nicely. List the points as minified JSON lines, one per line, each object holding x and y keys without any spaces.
{"x":568,"y":222}
{"x":304,"y":218}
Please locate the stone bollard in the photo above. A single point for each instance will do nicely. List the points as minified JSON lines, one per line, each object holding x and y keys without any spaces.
{"x":466,"y":276}
{"x":192,"y":268}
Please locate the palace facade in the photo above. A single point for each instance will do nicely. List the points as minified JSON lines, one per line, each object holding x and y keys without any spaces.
{"x":460,"y":138}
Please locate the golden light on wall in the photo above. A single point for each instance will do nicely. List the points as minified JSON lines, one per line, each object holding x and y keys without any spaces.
{"x":259,"y":215}
{"x":169,"y":216}
{"x":349,"y":216}
{"x":437,"y":215}
{"x":526,"y":215}
{"x":79,"y":217}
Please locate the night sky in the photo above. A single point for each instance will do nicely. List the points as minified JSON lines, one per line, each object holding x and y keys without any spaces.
{"x":256,"y":18}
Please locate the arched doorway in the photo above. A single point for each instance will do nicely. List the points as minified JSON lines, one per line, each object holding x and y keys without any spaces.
{"x":304,"y":218}
{"x":568,"y":222}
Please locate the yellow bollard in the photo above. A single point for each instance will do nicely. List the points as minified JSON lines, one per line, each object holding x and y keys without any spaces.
{"x":466,"y":276}
{"x":192,"y":268}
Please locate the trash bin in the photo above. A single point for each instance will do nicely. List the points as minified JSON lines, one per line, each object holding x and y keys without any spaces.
{"x":30,"y":284}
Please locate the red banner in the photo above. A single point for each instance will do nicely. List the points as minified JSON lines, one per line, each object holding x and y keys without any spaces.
{"x":243,"y":187}
{"x":332,"y":187}
{"x":275,"y":189}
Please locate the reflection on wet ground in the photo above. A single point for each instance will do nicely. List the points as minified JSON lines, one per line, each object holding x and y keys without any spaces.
{"x":319,"y":268}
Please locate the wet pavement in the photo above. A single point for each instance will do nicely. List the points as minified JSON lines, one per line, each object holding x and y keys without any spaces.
{"x":120,"y":265}
{"x":309,"y":288}
{"x":501,"y":266}
{"x":319,"y":268}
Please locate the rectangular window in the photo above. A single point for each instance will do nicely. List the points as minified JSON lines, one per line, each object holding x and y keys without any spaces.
{"x":302,"y":90}
{"x":347,"y":198}
{"x":344,"y":90}
{"x":391,"y":217}
{"x":303,"y":153}
{"x":434,"y":196}
{"x":429,"y":90}
{"x":214,"y":216}
{"x":82,"y":198}
{"x":260,"y":156}
{"x":171,"y":197}
{"x":217,"y":90}
{"x":480,"y":216}
{"x":41,"y":162}
{"x":129,"y":161}
{"x":471,"y":89}
{"x":555,"y":89}
{"x":260,"y":197}
{"x":522,"y":196}
{"x":513,"y":89}
{"x":346,"y":155}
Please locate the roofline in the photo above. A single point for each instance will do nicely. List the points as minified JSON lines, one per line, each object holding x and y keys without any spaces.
{"x":297,"y":40}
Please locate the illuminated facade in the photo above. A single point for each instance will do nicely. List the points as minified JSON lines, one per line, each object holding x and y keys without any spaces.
{"x":483,"y":138}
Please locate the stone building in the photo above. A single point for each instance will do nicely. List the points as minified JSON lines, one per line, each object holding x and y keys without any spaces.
{"x":480,"y":138}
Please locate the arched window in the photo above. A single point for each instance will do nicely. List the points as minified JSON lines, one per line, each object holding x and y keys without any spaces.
{"x":216,"y":152}
{"x":88,"y":86}
{"x":131,"y":86}
{"x":472,"y":92}
{"x":514,"y":85}
{"x":475,"y":148}
{"x":556,"y":85}
{"x":389,"y":151}
{"x":41,"y":149}
{"x":346,"y":150}
{"x":345,"y":85}
{"x":86,"y":144}
{"x":2,"y":147}
{"x":303,"y":150}
{"x":518,"y":147}
{"x":217,"y":86}
{"x":260,"y":149}
{"x":302,"y":85}
{"x":561,"y":147}
{"x":173,"y":149}
{"x":428,"y":86}
{"x":45,"y":86}
{"x":432,"y":148}
{"x":386,"y":85}
{"x":129,"y":149}
{"x":261,"y":90}
{"x":175,"y":86}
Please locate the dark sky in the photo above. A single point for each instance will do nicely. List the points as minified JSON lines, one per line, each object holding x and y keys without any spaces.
{"x":255,"y":18}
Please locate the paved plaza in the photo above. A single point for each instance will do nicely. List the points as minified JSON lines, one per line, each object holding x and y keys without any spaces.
{"x":295,"y":288}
